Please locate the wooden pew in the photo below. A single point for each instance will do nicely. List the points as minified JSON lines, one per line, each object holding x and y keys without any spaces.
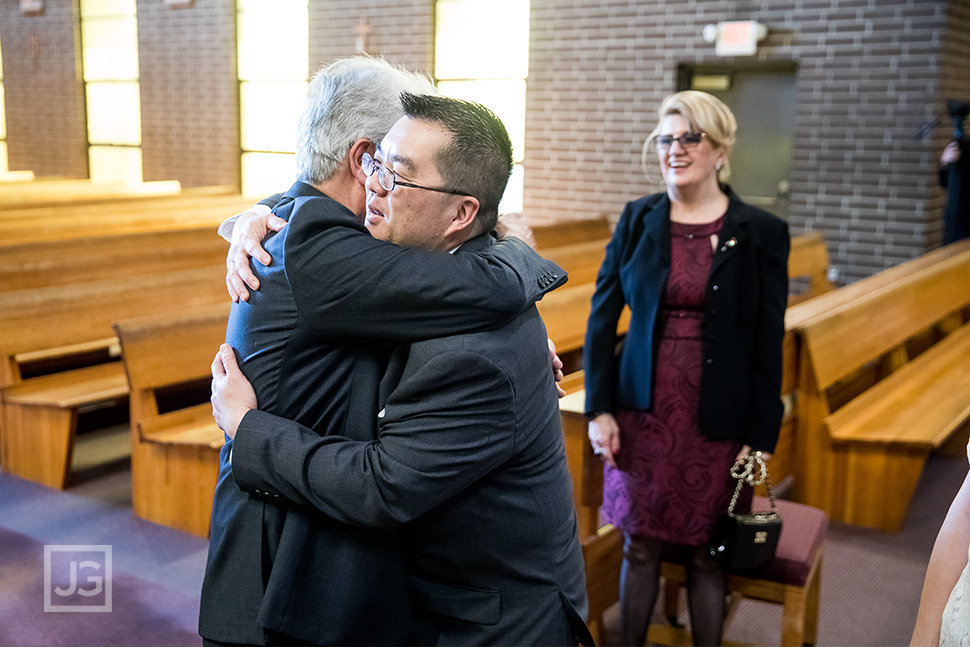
{"x":799,"y":314}
{"x":809,"y":260}
{"x":883,"y":381}
{"x":50,"y":192}
{"x":43,"y":224}
{"x":39,"y":414}
{"x":39,"y":264}
{"x":16,"y":176}
{"x":581,"y":260}
{"x":174,"y":454}
{"x":570,"y":232}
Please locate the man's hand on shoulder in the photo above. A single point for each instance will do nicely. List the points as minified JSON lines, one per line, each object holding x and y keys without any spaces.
{"x":248,"y":232}
{"x":514,"y":224}
{"x":232,"y":394}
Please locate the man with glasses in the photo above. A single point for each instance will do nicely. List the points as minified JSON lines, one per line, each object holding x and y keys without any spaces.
{"x":314,"y":340}
{"x":469,"y":461}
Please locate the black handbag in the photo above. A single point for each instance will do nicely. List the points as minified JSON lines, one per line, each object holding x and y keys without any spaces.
{"x":742,"y":541}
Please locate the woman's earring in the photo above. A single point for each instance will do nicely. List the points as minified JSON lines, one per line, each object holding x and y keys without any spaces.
{"x":718,"y":167}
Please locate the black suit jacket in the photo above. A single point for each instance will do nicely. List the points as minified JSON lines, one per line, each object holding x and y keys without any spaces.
{"x":310,"y":341}
{"x":470,"y":464}
{"x":743,"y":325}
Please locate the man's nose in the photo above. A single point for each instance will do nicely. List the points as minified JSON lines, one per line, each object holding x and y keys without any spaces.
{"x":372,"y":185}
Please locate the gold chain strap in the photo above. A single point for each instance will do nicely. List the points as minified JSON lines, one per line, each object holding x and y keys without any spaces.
{"x":744,"y":470}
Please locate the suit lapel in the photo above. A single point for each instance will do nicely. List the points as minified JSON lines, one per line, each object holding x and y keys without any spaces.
{"x":733,"y":235}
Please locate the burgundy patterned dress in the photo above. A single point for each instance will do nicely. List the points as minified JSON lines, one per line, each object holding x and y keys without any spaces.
{"x":672,"y":482}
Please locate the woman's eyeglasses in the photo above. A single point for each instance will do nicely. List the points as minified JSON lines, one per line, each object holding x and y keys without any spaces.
{"x":687,"y":140}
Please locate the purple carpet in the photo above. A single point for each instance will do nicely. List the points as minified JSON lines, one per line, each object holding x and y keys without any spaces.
{"x":142,"y":613}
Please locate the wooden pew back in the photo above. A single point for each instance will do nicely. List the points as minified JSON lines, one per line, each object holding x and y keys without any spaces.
{"x":170,"y":348}
{"x":581,"y":260}
{"x":863,"y":330}
{"x":175,"y":453}
{"x":89,"y":221}
{"x":570,"y":232}
{"x":70,"y":191}
{"x":40,"y":264}
{"x":798,"y":315}
{"x":64,"y":315}
{"x":809,"y":259}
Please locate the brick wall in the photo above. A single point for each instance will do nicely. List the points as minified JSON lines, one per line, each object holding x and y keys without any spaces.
{"x":869,"y":76}
{"x":189,"y":92}
{"x":46,"y":126}
{"x":403,"y":32}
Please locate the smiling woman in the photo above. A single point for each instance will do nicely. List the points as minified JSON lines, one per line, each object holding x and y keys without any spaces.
{"x":713,"y":376}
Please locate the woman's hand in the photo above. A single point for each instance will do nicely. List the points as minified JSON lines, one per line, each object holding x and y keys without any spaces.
{"x":746,"y":450}
{"x":232,"y":394}
{"x":248,"y":233}
{"x":604,"y":436}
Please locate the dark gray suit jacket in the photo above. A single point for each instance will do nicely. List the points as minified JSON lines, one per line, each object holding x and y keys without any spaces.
{"x":308,"y":341}
{"x":469,"y":463}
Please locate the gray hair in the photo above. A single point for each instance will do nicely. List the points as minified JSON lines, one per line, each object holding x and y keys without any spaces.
{"x":350,"y":99}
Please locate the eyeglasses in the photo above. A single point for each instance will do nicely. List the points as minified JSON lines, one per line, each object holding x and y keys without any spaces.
{"x":388,"y":179}
{"x":687,"y":140}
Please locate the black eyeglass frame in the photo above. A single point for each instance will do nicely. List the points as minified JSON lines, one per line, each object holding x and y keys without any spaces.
{"x":684,"y":143}
{"x":383,"y":172}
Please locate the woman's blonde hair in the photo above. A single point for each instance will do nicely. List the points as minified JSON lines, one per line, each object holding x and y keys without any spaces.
{"x":705,"y":113}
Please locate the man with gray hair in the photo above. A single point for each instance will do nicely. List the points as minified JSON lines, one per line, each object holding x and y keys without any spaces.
{"x":314,"y":342}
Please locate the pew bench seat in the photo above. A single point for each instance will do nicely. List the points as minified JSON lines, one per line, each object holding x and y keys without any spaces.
{"x":921,"y":404}
{"x":190,"y":426}
{"x":40,"y":419}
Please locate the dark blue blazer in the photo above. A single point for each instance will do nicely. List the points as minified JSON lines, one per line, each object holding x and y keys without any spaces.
{"x":743,"y":326}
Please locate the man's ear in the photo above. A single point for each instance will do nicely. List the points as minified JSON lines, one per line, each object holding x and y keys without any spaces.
{"x":465,"y":214}
{"x":357,"y":150}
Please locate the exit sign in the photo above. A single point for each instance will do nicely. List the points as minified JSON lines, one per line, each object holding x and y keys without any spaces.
{"x":738,"y":38}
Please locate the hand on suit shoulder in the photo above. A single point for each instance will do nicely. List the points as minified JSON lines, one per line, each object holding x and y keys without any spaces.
{"x":248,"y":232}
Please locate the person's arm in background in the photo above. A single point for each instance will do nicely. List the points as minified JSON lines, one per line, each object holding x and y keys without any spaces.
{"x":951,"y":155}
{"x":947,"y":561}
